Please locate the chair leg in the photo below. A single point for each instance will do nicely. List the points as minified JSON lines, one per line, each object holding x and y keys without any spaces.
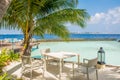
{"x":96,"y":74}
{"x":73,"y":68}
{"x":43,"y":73}
{"x":31,"y":74}
{"x":87,"y":74}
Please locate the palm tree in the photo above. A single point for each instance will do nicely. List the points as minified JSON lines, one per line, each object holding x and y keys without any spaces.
{"x":3,"y":7}
{"x":37,"y":17}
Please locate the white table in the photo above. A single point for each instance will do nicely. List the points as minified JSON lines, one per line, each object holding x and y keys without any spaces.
{"x":60,"y":56}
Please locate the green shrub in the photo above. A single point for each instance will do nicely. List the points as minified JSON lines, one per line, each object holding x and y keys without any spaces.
{"x":5,"y":77}
{"x":3,"y":59}
{"x":13,"y":56}
{"x":6,"y":56}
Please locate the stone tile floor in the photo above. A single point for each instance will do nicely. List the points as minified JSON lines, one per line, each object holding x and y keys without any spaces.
{"x":52,"y":73}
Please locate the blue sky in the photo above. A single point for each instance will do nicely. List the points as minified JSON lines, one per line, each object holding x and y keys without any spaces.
{"x":105,"y":17}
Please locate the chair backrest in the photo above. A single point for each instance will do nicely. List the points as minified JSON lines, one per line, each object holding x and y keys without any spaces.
{"x":26,"y":60}
{"x":44,"y":51}
{"x":92,"y":62}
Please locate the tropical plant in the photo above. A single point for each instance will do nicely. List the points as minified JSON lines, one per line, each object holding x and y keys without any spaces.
{"x":37,"y":17}
{"x":2,"y":77}
{"x":13,"y":56}
{"x":3,"y":7}
{"x":3,"y":61}
{"x":6,"y":56}
{"x":3,"y":57}
{"x":5,"y":76}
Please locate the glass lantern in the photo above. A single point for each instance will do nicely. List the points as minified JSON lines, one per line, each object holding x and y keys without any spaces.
{"x":101,"y":56}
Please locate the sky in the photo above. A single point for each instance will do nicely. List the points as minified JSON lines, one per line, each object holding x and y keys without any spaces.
{"x":105,"y":18}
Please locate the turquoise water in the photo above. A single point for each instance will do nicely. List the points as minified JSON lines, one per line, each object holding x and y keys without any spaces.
{"x":86,"y":49}
{"x":72,"y":36}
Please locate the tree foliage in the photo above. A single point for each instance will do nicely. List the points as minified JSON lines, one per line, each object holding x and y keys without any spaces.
{"x":37,"y":17}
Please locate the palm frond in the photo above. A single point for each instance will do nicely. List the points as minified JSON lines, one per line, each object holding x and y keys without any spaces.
{"x":75,"y":16}
{"x":48,"y":16}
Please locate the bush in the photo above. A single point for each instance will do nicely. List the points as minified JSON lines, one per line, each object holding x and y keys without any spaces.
{"x":6,"y":57}
{"x":7,"y":77}
{"x":3,"y":58}
{"x":13,"y":56}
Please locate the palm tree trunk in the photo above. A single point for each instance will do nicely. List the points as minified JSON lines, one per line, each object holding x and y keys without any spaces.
{"x":4,"y":4}
{"x":27,"y":50}
{"x":24,"y":40}
{"x":28,"y":36}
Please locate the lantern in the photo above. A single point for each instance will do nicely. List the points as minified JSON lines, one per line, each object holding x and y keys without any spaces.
{"x":101,"y":56}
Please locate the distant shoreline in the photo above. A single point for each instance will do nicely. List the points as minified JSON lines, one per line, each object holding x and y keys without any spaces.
{"x":72,"y":37}
{"x":70,"y":33}
{"x":56,"y":40}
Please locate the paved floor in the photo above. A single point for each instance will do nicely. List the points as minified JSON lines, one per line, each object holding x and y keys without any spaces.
{"x":52,"y":73}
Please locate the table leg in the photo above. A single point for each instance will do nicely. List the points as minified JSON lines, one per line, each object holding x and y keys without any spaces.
{"x":45,"y":63}
{"x":73,"y":68}
{"x":60,"y":68}
{"x":62,"y":63}
{"x":78,"y":59}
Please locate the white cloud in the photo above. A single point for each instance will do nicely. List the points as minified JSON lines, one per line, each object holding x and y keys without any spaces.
{"x":112,"y":16}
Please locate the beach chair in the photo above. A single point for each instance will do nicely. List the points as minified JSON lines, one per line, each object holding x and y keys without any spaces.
{"x":29,"y":64}
{"x":88,"y":66}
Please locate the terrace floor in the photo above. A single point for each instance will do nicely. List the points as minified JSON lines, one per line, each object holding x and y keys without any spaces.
{"x":52,"y":73}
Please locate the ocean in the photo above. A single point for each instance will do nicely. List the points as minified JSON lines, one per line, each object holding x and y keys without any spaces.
{"x":72,"y":36}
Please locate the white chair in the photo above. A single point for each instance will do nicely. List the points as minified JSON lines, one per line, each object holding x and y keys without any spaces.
{"x":48,"y":59}
{"x":29,"y":64}
{"x":26,"y":65}
{"x":44,"y":51}
{"x":89,"y":66}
